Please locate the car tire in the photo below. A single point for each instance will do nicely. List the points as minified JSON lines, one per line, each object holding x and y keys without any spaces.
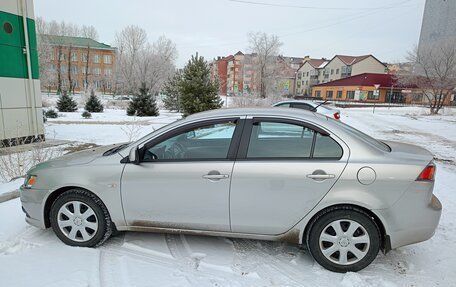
{"x":79,"y":218}
{"x":344,"y":239}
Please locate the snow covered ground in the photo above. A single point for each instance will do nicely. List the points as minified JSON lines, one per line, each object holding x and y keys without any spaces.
{"x":33,"y":257}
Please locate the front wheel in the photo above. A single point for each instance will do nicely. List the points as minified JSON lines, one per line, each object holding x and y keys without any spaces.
{"x":344,"y":240}
{"x":79,"y":218}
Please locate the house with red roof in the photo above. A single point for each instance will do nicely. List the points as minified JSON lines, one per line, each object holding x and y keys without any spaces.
{"x":370,"y":88}
{"x":317,"y":71}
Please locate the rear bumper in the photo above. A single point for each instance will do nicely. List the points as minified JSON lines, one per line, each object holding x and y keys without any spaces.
{"x":32,"y":201}
{"x":408,"y":224}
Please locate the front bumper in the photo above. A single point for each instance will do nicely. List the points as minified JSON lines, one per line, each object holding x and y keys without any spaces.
{"x":32,"y":201}
{"x":408,"y":223}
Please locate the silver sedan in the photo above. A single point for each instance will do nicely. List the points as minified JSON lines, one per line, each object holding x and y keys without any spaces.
{"x":267,"y":174}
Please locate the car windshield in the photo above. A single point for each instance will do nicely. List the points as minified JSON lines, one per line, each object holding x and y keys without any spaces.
{"x":376,"y":143}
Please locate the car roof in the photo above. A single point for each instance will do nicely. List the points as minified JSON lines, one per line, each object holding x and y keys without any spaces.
{"x":313,"y":103}
{"x":280,"y":112}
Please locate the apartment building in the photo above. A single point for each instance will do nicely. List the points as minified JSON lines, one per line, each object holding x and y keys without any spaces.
{"x":317,"y":71}
{"x":237,"y":75}
{"x":309,"y":74}
{"x":84,"y":61}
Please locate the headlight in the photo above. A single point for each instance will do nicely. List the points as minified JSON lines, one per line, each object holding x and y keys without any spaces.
{"x":30,"y":181}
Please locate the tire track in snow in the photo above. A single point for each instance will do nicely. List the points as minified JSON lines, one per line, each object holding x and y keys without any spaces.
{"x":266,"y":265}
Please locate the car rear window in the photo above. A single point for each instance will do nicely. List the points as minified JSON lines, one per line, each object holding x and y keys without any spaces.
{"x":376,"y":143}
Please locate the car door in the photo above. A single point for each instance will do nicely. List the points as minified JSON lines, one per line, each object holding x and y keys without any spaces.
{"x":284,"y":168}
{"x":183,"y":178}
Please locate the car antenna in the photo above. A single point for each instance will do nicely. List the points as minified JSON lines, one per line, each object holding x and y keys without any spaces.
{"x":322,"y":103}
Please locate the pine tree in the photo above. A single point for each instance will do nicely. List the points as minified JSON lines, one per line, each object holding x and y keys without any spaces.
{"x":171,"y":92}
{"x":65,"y":103}
{"x":197,"y":92}
{"x":93,"y":104}
{"x":143,"y":104}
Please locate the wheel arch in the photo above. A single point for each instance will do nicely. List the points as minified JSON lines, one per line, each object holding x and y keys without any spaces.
{"x":55,"y":194}
{"x":384,"y":237}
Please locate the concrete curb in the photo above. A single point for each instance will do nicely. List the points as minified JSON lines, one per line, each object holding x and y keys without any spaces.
{"x":9,"y":195}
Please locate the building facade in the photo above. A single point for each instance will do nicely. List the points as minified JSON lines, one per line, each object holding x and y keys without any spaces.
{"x":21,"y":118}
{"x":370,"y":88}
{"x":439,"y":22}
{"x":237,"y":75}
{"x":317,"y":71}
{"x":78,"y":63}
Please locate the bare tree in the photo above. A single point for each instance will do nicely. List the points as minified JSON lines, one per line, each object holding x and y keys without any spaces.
{"x":73,"y":31}
{"x":434,"y":72}
{"x":265,"y":48}
{"x":130,"y":42}
{"x":140,"y":63}
{"x":91,"y":33}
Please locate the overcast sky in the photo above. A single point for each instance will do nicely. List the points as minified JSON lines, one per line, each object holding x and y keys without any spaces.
{"x":319,"y":28}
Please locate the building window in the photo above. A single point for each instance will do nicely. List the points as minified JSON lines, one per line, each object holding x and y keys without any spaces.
{"x":53,"y":55}
{"x":96,"y":59}
{"x":337,"y":71}
{"x":373,"y":95}
{"x":85,"y":71}
{"x":84,"y":57}
{"x":346,"y":71}
{"x":329,"y":94}
{"x":74,"y":70}
{"x":307,"y":74}
{"x":108,"y":72}
{"x":350,"y":95}
{"x":107,"y":59}
{"x":332,"y":71}
{"x":339,"y":94}
{"x":74,"y":57}
{"x":96,"y":71}
{"x":62,"y":57}
{"x":318,"y":94}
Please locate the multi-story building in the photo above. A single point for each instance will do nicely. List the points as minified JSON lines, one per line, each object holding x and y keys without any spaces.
{"x":219,"y":72}
{"x":439,"y":22}
{"x":237,"y":75}
{"x":81,"y":61}
{"x":309,"y":74}
{"x":316,"y":71}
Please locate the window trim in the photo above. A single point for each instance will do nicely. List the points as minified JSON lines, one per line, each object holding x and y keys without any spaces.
{"x":232,"y":150}
{"x":247,"y":133}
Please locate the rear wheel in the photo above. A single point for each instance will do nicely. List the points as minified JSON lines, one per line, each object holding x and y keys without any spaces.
{"x":79,"y":218}
{"x":344,"y":240}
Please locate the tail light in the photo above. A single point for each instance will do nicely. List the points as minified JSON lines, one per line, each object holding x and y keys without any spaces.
{"x":427,"y":174}
{"x":337,"y":115}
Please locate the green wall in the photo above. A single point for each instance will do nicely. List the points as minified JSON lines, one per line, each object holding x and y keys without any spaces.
{"x":13,"y":61}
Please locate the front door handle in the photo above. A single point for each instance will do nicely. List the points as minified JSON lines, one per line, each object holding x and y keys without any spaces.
{"x":216,"y":176}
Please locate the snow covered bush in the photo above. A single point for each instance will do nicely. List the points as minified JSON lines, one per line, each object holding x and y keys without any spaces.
{"x":86,"y":115}
{"x":51,"y":114}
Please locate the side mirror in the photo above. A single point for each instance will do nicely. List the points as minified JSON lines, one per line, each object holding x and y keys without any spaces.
{"x":133,"y":156}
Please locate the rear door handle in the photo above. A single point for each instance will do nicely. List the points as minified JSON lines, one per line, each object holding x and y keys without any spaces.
{"x":321,"y":176}
{"x":216,"y":176}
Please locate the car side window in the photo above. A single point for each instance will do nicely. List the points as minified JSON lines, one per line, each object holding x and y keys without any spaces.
{"x":280,"y":140}
{"x":284,"y":105}
{"x":326,"y":147}
{"x":210,"y":141}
